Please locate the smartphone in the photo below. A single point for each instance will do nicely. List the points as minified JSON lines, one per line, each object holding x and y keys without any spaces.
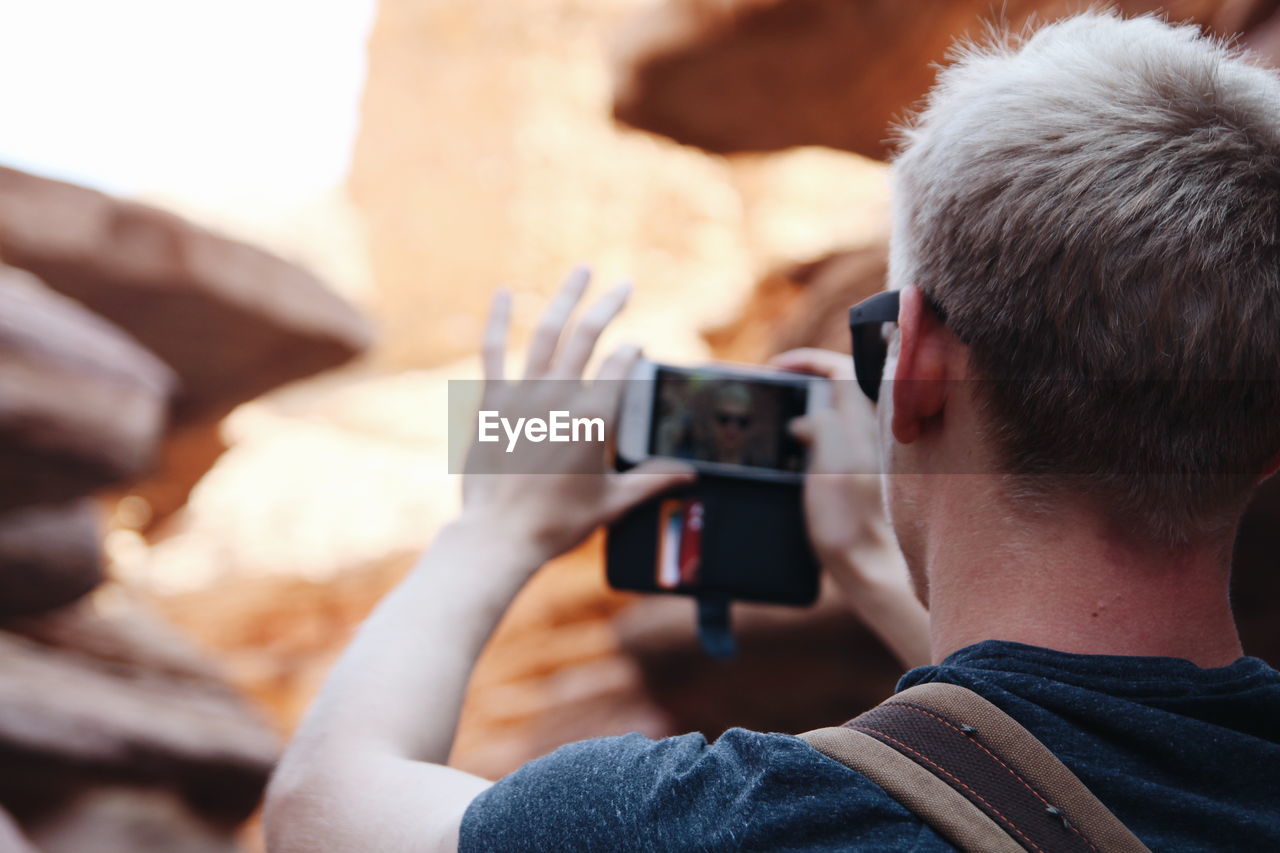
{"x":721,"y":418}
{"x":729,"y":537}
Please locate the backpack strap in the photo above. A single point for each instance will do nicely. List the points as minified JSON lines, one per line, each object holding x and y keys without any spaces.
{"x":976,"y":776}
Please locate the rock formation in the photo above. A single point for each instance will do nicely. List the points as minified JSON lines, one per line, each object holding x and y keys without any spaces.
{"x":84,"y":403}
{"x":231,"y":320}
{"x":50,"y":555}
{"x":124,"y":337}
{"x":734,"y":76}
{"x":106,"y":690}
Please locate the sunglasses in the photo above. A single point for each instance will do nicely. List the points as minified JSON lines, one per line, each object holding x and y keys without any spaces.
{"x":741,"y":421}
{"x":870,"y":348}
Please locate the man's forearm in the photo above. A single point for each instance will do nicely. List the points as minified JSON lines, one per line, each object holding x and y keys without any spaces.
{"x":399,"y":686}
{"x":365,"y":769}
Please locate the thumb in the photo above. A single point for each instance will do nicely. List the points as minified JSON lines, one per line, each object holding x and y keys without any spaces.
{"x":802,"y":429}
{"x":820,"y":362}
{"x":648,"y":479}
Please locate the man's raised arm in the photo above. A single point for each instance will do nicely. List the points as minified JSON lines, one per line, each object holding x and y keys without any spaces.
{"x":366,"y":769}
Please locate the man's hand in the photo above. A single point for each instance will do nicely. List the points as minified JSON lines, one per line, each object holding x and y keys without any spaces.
{"x":545,"y":496}
{"x":845,"y":513}
{"x":366,"y":769}
{"x":843,"y":504}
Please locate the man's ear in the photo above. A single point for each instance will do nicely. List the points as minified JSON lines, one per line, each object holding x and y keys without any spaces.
{"x":919,"y":378}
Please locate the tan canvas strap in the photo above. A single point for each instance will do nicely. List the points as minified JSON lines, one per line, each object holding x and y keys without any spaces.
{"x":932,"y":800}
{"x":981,"y":755}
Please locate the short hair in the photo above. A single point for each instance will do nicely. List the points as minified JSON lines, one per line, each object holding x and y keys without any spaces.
{"x":1094,"y":207}
{"x":734,"y":393}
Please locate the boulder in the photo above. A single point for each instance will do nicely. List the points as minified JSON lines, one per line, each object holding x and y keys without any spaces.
{"x":802,"y":305}
{"x":82,"y":404}
{"x":11,"y":838}
{"x":551,"y":673}
{"x":232,"y":320}
{"x":185,"y":456}
{"x":103,"y":694}
{"x":49,"y":556}
{"x":120,"y":819}
{"x":804,"y":654}
{"x":764,"y":75}
{"x":1262,"y":34}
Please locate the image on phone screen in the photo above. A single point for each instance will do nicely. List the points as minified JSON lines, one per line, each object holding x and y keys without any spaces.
{"x":706,"y":416}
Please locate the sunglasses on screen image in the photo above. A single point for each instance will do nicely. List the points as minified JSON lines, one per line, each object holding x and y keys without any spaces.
{"x":740,"y":421}
{"x":870,"y":344}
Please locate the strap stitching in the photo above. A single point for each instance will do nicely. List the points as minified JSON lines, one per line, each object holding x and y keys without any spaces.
{"x":952,"y":776}
{"x":997,"y":759}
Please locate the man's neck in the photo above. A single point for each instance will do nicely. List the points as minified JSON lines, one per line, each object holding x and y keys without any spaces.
{"x":1061,"y":583}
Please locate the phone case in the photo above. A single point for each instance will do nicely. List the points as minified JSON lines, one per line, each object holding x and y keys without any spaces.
{"x":722,"y":537}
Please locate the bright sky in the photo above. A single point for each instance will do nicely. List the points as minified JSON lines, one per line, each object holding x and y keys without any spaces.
{"x":198,"y":99}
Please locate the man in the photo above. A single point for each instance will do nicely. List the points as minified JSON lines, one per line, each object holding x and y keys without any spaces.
{"x":731,"y":424}
{"x":1086,"y":264}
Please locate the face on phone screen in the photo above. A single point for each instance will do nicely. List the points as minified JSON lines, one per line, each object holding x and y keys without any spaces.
{"x":709,"y":417}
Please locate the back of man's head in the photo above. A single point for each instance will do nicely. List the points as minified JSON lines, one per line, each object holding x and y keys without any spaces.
{"x":1095,"y":209}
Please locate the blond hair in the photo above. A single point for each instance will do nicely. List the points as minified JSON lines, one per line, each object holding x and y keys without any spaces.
{"x":1095,"y":208}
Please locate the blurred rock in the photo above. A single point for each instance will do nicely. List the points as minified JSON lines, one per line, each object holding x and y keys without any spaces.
{"x":552,"y":672}
{"x":1264,"y":36}
{"x":185,"y":456}
{"x":275,"y":637}
{"x":763,"y":75}
{"x":103,"y":694}
{"x":233,"y":321}
{"x":11,"y":838}
{"x":531,"y":177}
{"x":802,"y":305}
{"x":49,"y":556}
{"x":796,"y":669}
{"x":114,"y":628}
{"x":335,"y":474}
{"x":83,"y":404}
{"x":129,"y":820}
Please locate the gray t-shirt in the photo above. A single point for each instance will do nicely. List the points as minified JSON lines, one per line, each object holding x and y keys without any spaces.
{"x":1189,"y":758}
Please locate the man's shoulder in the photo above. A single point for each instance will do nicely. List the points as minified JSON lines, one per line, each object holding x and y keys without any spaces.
{"x":745,"y":790}
{"x":1187,"y":757}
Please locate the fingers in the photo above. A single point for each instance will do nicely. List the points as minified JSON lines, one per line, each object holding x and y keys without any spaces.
{"x":831,"y":365}
{"x":546,"y":336}
{"x":619,"y":364}
{"x":648,"y":479}
{"x":802,"y":429}
{"x":582,"y":340}
{"x":493,"y":349}
{"x":820,"y":362}
{"x":606,"y":390}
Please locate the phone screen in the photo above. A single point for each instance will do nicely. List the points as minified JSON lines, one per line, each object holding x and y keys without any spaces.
{"x":708,"y":416}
